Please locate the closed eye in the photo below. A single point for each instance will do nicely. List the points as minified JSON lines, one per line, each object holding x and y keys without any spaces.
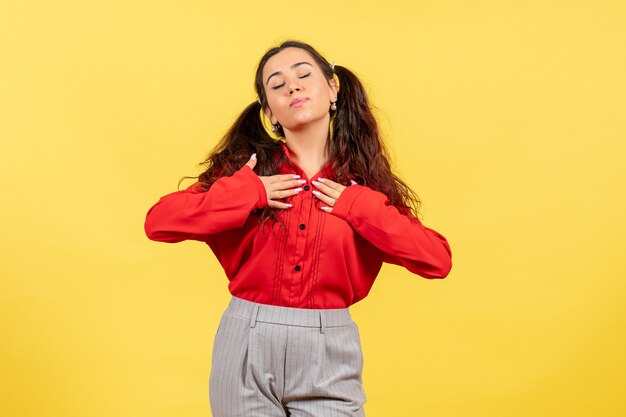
{"x":276,"y":87}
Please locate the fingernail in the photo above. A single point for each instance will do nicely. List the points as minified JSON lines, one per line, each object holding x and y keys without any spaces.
{"x":315,"y":183}
{"x":320,"y":179}
{"x":253,"y":156}
{"x":289,"y":205}
{"x":302,"y":181}
{"x":316,"y":192}
{"x":325,"y":208}
{"x":296,"y":176}
{"x":353,"y":182}
{"x":297,"y":189}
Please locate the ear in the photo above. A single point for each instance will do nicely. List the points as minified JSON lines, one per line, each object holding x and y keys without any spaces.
{"x":270,"y":115}
{"x":332,"y":84}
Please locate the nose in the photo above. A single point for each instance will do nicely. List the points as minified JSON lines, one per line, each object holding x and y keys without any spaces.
{"x":293,"y":85}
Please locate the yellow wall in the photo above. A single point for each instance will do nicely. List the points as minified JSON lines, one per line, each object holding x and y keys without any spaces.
{"x":507,"y":118}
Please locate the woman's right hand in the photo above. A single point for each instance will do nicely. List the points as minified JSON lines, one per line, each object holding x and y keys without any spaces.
{"x":278,"y":186}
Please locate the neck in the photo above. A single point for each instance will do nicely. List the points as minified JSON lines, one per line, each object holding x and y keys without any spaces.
{"x":308,"y":146}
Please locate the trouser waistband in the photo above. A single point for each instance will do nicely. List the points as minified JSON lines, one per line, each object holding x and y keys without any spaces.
{"x":303,"y":317}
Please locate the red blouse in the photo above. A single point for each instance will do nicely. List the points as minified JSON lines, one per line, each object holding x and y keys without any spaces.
{"x":315,"y":259}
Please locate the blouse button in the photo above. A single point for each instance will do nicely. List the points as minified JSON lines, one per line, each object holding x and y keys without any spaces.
{"x":302,"y":226}
{"x":307,"y":188}
{"x":297,"y":268}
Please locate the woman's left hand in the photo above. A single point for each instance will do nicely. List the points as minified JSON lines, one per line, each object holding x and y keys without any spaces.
{"x":328,"y":191}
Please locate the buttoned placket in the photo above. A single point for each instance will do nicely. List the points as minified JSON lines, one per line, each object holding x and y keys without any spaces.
{"x":298,"y":264}
{"x":304,"y":204}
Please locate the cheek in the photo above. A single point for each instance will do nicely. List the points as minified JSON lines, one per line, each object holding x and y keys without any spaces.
{"x":275,"y":104}
{"x":272,"y":101}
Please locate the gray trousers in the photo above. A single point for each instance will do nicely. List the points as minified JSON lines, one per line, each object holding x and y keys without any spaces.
{"x":271,"y":361}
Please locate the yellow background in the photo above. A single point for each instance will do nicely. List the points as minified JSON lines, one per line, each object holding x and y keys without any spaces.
{"x":507,"y":118}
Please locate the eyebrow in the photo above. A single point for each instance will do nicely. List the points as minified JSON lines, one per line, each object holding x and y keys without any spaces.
{"x":294,"y":66}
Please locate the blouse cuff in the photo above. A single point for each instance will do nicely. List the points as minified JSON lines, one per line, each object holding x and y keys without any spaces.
{"x":260,"y":188}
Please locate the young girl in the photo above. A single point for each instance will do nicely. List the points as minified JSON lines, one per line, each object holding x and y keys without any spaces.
{"x":301,"y":225}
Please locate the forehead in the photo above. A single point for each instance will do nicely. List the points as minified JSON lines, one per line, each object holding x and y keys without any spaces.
{"x":283,"y":60}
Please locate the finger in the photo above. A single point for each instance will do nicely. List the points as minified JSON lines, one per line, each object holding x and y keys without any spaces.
{"x":285,"y":185}
{"x":252,"y":161}
{"x":326,"y":189}
{"x":326,"y":199}
{"x":278,"y":194}
{"x":282,"y":177}
{"x":332,"y":184}
{"x":278,"y":205}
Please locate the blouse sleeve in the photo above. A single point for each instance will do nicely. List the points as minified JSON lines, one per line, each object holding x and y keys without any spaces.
{"x":404,"y":240}
{"x":194,"y":214}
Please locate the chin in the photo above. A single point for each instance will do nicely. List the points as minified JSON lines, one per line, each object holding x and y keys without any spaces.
{"x":302,"y":122}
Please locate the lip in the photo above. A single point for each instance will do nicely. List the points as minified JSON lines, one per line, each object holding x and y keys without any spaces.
{"x":298,"y":102}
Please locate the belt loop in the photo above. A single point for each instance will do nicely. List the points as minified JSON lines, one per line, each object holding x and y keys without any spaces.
{"x":255,"y":312}
{"x":322,"y":322}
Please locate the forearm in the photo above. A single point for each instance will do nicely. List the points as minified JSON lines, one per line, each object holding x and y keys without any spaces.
{"x":195,"y":214}
{"x":404,"y":240}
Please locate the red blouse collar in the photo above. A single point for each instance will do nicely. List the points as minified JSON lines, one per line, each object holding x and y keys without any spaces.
{"x":288,"y":168}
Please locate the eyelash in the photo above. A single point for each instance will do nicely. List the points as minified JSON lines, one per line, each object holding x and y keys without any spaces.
{"x":279,"y":86}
